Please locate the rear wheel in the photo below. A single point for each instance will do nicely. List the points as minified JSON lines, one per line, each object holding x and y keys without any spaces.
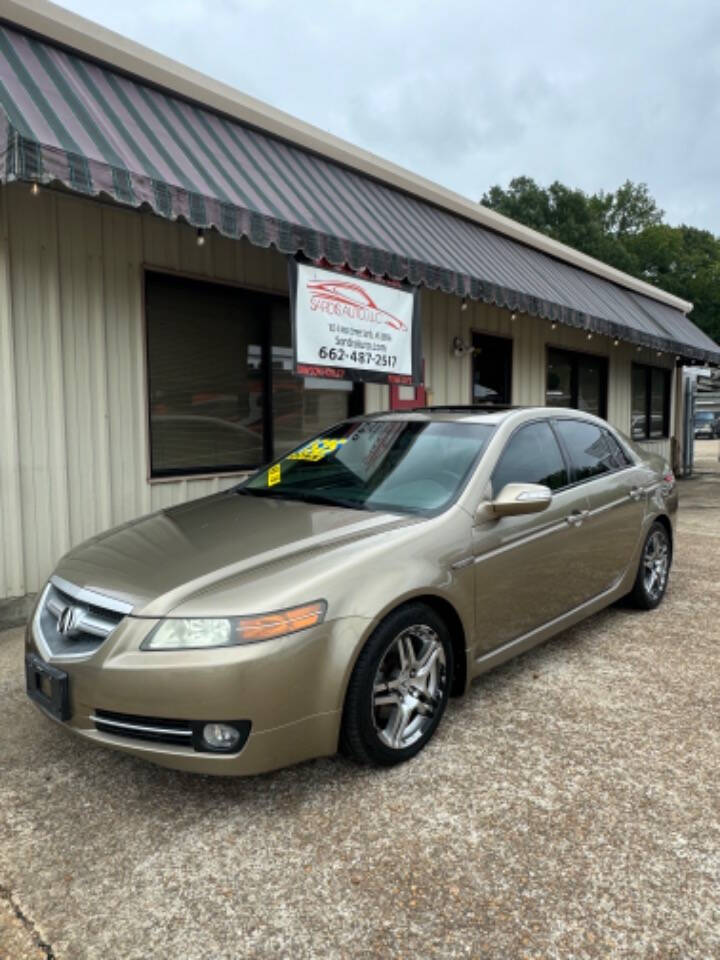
{"x":652,"y":576}
{"x":399,"y":688}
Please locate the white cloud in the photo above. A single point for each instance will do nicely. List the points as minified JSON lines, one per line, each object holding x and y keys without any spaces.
{"x":473,"y":93}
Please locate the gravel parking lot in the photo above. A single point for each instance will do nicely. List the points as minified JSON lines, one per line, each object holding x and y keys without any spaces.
{"x":568,"y":808}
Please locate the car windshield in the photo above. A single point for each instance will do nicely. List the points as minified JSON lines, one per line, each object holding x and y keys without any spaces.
{"x":408,"y":466}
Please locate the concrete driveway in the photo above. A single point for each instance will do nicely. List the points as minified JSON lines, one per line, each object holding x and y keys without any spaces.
{"x":568,"y":808}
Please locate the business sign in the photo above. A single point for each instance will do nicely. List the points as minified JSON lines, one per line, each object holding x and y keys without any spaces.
{"x":348,"y":328}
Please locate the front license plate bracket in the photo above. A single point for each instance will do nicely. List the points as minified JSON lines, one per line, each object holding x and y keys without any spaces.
{"x":48,"y":687}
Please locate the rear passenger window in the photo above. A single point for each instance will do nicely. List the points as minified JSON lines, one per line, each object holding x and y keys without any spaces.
{"x":532,"y":455}
{"x":589,"y":448}
{"x":620,"y":459}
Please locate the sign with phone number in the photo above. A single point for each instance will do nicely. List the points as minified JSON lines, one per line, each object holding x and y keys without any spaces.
{"x":349,"y":328}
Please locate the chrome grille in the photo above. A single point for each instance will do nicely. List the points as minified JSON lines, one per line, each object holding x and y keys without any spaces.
{"x":72,"y":622}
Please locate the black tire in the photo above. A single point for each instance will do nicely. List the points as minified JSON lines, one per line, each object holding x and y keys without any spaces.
{"x":368,"y":725}
{"x":648,"y":592}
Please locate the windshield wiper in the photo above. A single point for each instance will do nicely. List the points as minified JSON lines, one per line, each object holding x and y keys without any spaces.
{"x":330,"y":501}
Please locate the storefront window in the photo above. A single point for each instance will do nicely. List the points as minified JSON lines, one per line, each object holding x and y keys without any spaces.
{"x":222,"y":393}
{"x":301,"y":406}
{"x":650,"y":402}
{"x":639,"y":403}
{"x":576,"y":380}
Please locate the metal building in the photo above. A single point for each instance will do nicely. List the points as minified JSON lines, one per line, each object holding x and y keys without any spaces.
{"x":147,"y":214}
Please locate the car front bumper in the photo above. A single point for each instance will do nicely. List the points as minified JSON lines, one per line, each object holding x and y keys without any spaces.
{"x":291,"y":691}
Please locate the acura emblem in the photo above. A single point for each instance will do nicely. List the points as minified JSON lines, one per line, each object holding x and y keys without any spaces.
{"x":68,"y":620}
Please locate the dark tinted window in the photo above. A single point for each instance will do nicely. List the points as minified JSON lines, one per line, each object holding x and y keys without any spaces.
{"x":650,"y":402}
{"x":589,"y":448}
{"x":576,"y":380}
{"x":659,"y":406}
{"x":220,"y":368}
{"x":618,"y":456}
{"x":639,"y":403}
{"x":532,"y":455}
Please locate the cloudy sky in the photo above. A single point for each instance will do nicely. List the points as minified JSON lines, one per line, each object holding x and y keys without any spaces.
{"x":471,"y":94}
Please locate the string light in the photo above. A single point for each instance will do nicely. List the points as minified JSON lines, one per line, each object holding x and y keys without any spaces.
{"x":200,"y":237}
{"x":589,"y":336}
{"x":616,"y":342}
{"x":464,"y":304}
{"x":553,"y":325}
{"x":513,"y":317}
{"x":34,"y":190}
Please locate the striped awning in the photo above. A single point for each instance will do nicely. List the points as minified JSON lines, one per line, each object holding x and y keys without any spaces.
{"x":70,"y":120}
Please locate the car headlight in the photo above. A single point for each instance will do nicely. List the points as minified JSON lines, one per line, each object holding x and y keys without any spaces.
{"x":199,"y":632}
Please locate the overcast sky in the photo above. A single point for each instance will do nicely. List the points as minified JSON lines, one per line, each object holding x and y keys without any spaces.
{"x":471,"y":94}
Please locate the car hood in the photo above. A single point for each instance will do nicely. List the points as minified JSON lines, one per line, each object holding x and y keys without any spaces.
{"x":157,"y":561}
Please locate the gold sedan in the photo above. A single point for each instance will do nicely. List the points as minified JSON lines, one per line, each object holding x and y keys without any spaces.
{"x":340,"y":595}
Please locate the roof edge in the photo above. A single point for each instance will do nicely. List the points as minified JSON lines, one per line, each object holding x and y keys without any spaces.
{"x":86,"y":37}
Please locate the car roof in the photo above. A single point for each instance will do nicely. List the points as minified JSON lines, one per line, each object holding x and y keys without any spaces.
{"x":476,"y":414}
{"x":490,"y":414}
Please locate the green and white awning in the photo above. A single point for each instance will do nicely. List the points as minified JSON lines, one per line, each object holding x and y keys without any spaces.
{"x":67,"y":119}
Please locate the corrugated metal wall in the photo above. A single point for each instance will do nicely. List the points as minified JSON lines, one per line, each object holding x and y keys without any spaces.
{"x":73,"y":433}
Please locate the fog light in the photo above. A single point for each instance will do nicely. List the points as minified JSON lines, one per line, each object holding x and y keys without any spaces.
{"x":220,"y":736}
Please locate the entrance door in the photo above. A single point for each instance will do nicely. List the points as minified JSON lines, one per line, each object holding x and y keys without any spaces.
{"x":491,"y":369}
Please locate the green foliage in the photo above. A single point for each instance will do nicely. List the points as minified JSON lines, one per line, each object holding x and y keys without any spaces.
{"x":626,"y":230}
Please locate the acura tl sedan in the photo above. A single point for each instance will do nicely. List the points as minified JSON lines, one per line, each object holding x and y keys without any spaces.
{"x":338,"y":597}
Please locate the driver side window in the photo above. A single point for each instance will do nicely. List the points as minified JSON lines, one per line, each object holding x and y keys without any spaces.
{"x":532,"y":455}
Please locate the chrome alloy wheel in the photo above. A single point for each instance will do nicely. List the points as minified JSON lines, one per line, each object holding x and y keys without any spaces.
{"x":656,"y":564}
{"x":409,"y":686}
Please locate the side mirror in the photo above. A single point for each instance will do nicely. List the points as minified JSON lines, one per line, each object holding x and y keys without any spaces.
{"x":520,"y":498}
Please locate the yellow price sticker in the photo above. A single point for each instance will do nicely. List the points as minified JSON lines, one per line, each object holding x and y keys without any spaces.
{"x":317,"y":450}
{"x":274,"y":475}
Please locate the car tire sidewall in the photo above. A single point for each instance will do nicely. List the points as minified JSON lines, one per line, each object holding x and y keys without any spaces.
{"x":364,"y":677}
{"x":640,"y":595}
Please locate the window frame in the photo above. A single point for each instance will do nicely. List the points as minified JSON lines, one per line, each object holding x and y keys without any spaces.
{"x":509,"y":340}
{"x":647,"y":369}
{"x":563,"y":453}
{"x":356,"y":398}
{"x":571,"y":467}
{"x":575,"y":357}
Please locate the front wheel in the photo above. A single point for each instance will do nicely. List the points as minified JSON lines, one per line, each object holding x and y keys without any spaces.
{"x":399,"y":687}
{"x":652,"y":576}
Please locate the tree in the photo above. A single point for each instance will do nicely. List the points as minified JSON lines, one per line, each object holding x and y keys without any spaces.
{"x":626,"y":230}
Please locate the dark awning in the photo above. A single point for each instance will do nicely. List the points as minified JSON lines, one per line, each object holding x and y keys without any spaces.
{"x":95,"y":130}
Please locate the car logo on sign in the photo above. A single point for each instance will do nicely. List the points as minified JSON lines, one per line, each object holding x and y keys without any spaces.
{"x":68,"y":621}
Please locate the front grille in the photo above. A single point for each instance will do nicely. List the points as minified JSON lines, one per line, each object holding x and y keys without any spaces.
{"x":178,"y":732}
{"x":74,"y":622}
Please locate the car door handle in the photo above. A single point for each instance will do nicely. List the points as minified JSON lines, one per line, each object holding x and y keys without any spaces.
{"x":636,"y":493}
{"x":576,"y":518}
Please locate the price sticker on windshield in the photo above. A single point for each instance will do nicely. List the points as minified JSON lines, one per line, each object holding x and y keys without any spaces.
{"x":274,"y":475}
{"x":317,"y":450}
